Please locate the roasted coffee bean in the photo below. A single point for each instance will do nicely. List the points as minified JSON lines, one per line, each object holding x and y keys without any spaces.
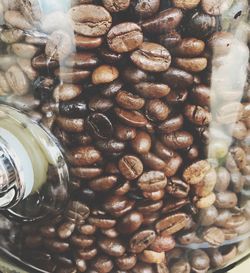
{"x":152,"y":257}
{"x":156,"y":110}
{"x":152,"y":181}
{"x":196,"y":172}
{"x":155,"y":195}
{"x":201,"y":25}
{"x":84,"y":156}
{"x":141,"y":240}
{"x":153,"y":162}
{"x":134,"y":75}
{"x":102,"y":264}
{"x":181,"y":265}
{"x":145,"y":8}
{"x":126,"y":262}
{"x":208,"y":216}
{"x":130,"y":167}
{"x":110,"y":233}
{"x":84,"y":42}
{"x":48,"y":231}
{"x":142,"y":268}
{"x":118,"y":205}
{"x":111,"y":146}
{"x":82,"y":241}
{"x":65,"y":230}
{"x":110,"y":56}
{"x":125,"y":133}
{"x":226,"y":200}
{"x":177,"y":78}
{"x":56,"y":246}
{"x":27,"y":68}
{"x":12,"y":35}
{"x":71,"y":125}
{"x":66,"y":92}
{"x":16,"y":19}
{"x":177,"y":140}
{"x":170,"y":40}
{"x":86,"y":173}
{"x":131,"y":118}
{"x":189,"y":47}
{"x":151,"y":57}
{"x":163,"y":243}
{"x":171,"y":124}
{"x":82,"y":60}
{"x":24,"y":50}
{"x":103,"y":183}
{"x":70,"y":75}
{"x":192,"y":65}
{"x":125,"y":37}
{"x":129,"y":101}
{"x":141,"y":143}
{"x":100,"y":104}
{"x":111,"y":89}
{"x":216,"y":258}
{"x":186,"y":4}
{"x":90,"y":20}
{"x":99,"y":125}
{"x":73,"y":109}
{"x":104,"y":74}
{"x":116,"y":6}
{"x":130,"y":222}
{"x":112,"y":247}
{"x":214,"y":7}
{"x":147,"y":206}
{"x":177,"y":188}
{"x":102,"y":222}
{"x":150,"y":90}
{"x":199,"y":260}
{"x":205,"y":202}
{"x":201,"y":95}
{"x":163,"y":22}
{"x":177,"y":97}
{"x":43,"y":62}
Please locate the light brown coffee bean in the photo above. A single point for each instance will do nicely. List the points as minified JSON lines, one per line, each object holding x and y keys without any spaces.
{"x":141,"y":240}
{"x":226,"y":200}
{"x":16,"y":19}
{"x":130,"y":167}
{"x":65,"y":230}
{"x":129,"y":101}
{"x":196,"y":172}
{"x":177,"y":140}
{"x":112,"y":247}
{"x":152,"y":57}
{"x":206,"y":186}
{"x":214,"y":236}
{"x":66,"y":92}
{"x":125,"y":37}
{"x":152,"y":181}
{"x":84,"y":42}
{"x":31,"y":9}
{"x":213,"y":7}
{"x":150,"y":90}
{"x":116,"y":6}
{"x":17,"y":80}
{"x":27,"y":68}
{"x":205,"y":202}
{"x":4,"y":86}
{"x":131,"y":118}
{"x":163,"y":243}
{"x":186,"y":4}
{"x":24,"y":50}
{"x":193,"y":65}
{"x":70,"y":75}
{"x":126,"y":262}
{"x":12,"y":35}
{"x":152,"y":257}
{"x":156,"y":110}
{"x":104,"y":74}
{"x":90,"y":20}
{"x":189,"y":47}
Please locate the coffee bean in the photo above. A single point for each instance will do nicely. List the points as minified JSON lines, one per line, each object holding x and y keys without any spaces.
{"x":24,"y":50}
{"x":56,"y":246}
{"x":48,"y":231}
{"x":71,"y":125}
{"x":214,"y":7}
{"x":155,"y":195}
{"x":216,"y":258}
{"x":152,"y":181}
{"x":226,"y":200}
{"x":129,"y":101}
{"x":205,"y":202}
{"x":151,"y":57}
{"x":65,"y":230}
{"x":42,"y":62}
{"x":141,"y":144}
{"x":181,"y":265}
{"x":150,"y":90}
{"x":99,"y":125}
{"x":223,"y":179}
{"x":153,"y":162}
{"x":170,"y":40}
{"x":185,"y":4}
{"x":116,"y":6}
{"x":27,"y":68}
{"x":110,"y":56}
{"x":77,"y":212}
{"x":131,"y":118}
{"x":118,"y":205}
{"x":112,"y":247}
{"x":141,"y":240}
{"x":156,"y":110}
{"x":177,"y":78}
{"x":84,"y":156}
{"x":82,"y":60}
{"x":125,"y":37}
{"x":73,"y":109}
{"x":208,"y":216}
{"x":126,"y":262}
{"x":177,"y":140}
{"x":4,"y":86}
{"x":12,"y":35}
{"x":111,"y":89}
{"x":102,"y":222}
{"x":142,"y":268}
{"x":199,"y":260}
{"x":90,"y":20}
{"x":171,"y":224}
{"x":102,"y":264}
{"x":177,"y":188}
{"x":84,"y":42}
{"x":163,"y":22}
{"x":189,"y":47}
{"x":134,"y":75}
{"x":103,"y":183}
{"x":130,"y":222}
{"x":130,"y":167}
{"x":163,"y":243}
{"x":104,"y":74}
{"x":66,"y":92}
{"x":110,"y":146}
{"x":193,"y":65}
{"x":100,"y":104}
{"x":16,"y":19}
{"x":125,"y":133}
{"x":145,"y":8}
{"x":201,"y":95}
{"x":171,"y":124}
{"x":69,"y":75}
{"x":196,"y":172}
{"x":150,"y":256}
{"x":214,"y":236}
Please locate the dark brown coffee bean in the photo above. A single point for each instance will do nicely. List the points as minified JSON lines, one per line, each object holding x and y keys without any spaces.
{"x":110,"y":233}
{"x":134,"y":75}
{"x":110,"y":146}
{"x":90,"y":20}
{"x":141,"y":240}
{"x":33,"y":241}
{"x":65,"y":230}
{"x":84,"y":156}
{"x":151,"y":57}
{"x":66,"y":92}
{"x":186,"y":4}
{"x":104,"y":74}
{"x":112,"y":247}
{"x":118,"y":205}
{"x":216,"y":258}
{"x":152,"y":181}
{"x":56,"y":246}
{"x":180,"y":265}
{"x":102,"y":264}
{"x":110,"y":56}
{"x":82,"y":60}
{"x":171,"y":124}
{"x":141,"y":144}
{"x":130,"y":167}
{"x":86,"y":173}
{"x":155,"y":195}
{"x":146,"y":8}
{"x":82,"y":241}
{"x":48,"y":231}
{"x":201,"y":95}
{"x":161,"y":244}
{"x":70,"y":75}
{"x":111,"y":89}
{"x":177,"y":188}
{"x":165,"y":21}
{"x":150,"y":90}
{"x":84,"y":42}
{"x":102,"y":222}
{"x":153,"y":162}
{"x":189,"y":47}
{"x":116,"y":6}
{"x":163,"y":152}
{"x":156,"y":110}
{"x":170,"y":40}
{"x":177,"y":78}
{"x":226,"y":200}
{"x":103,"y":183}
{"x":147,"y":206}
{"x":77,"y":212}
{"x":130,"y":222}
{"x":129,"y":101}
{"x":71,"y":125}
{"x":76,"y":109}
{"x":171,"y":224}
{"x":173,"y":165}
{"x":199,"y":260}
{"x":87,"y":229}
{"x":177,"y":140}
{"x":124,"y":133}
{"x":43,"y":62}
{"x":196,"y":172}
{"x":131,"y":118}
{"x":197,"y":115}
{"x":99,"y":125}
{"x":126,"y":262}
{"x":177,"y":97}
{"x":125,"y":37}
{"x":100,"y":104}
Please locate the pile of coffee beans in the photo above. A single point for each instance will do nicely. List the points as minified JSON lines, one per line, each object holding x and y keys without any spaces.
{"x":151,"y":101}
